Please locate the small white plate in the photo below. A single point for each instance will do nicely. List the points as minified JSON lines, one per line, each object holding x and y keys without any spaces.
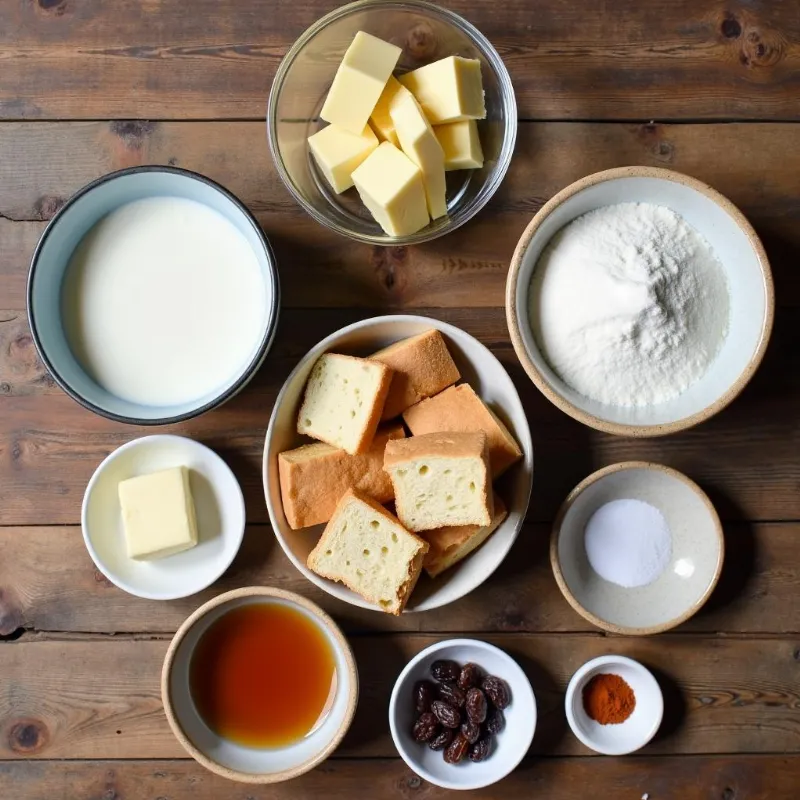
{"x":641,"y":725}
{"x":219,"y":506}
{"x":510,"y":745}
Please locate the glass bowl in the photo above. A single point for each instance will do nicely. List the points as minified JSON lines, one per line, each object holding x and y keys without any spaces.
{"x":426,"y":33}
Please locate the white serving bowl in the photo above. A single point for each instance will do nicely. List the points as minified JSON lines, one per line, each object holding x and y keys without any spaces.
{"x":252,"y":764}
{"x":219,"y":509}
{"x":624,"y":737}
{"x":510,"y":745}
{"x":698,"y":549}
{"x":485,"y":374}
{"x":738,"y":249}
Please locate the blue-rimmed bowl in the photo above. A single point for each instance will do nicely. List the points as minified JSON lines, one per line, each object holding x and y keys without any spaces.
{"x":54,"y":251}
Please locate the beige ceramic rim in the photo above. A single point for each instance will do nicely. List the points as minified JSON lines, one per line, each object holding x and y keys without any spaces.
{"x":556,"y":564}
{"x":536,"y":376}
{"x":248,"y":777}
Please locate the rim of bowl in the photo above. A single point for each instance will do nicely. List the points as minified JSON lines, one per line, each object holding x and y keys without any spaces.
{"x":322,"y":347}
{"x":266,"y":340}
{"x":479,"y":645}
{"x":101,"y":467}
{"x":512,"y":290}
{"x":577,"y":681}
{"x":341,"y":644}
{"x":509,"y":134}
{"x":555,"y":559}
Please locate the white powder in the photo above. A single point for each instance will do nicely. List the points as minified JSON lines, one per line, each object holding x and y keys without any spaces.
{"x":629,"y":304}
{"x":628,"y":542}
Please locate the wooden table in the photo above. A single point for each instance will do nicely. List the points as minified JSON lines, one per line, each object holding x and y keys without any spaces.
{"x":707,"y":87}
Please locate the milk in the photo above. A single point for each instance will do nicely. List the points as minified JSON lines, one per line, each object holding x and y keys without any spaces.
{"x":164,"y":302}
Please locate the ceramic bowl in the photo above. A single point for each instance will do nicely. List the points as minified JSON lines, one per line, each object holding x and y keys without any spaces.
{"x":510,"y":745}
{"x":249,"y":764}
{"x":219,"y":509}
{"x":624,"y":737}
{"x":52,"y":256}
{"x":738,"y":249}
{"x":487,"y":377}
{"x":686,"y":583}
{"x":426,"y":33}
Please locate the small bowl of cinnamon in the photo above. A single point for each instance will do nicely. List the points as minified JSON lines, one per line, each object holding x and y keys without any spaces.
{"x":614,"y":705}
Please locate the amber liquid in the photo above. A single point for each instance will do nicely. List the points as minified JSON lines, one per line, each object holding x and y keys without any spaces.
{"x":262,"y":675}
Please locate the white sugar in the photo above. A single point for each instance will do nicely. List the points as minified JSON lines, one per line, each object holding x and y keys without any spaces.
{"x":628,"y":542}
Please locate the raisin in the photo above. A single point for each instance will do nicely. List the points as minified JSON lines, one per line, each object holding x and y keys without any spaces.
{"x":495,"y":721}
{"x":497,"y":691}
{"x":446,"y":714}
{"x":424,"y":693}
{"x":471,"y":731}
{"x":470,"y":676}
{"x":425,"y":728}
{"x":452,"y":695}
{"x":481,"y":749}
{"x":476,"y":706}
{"x":442,"y":740}
{"x":445,"y":671}
{"x":456,"y":750}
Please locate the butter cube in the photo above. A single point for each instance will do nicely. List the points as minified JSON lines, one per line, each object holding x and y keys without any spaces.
{"x":448,"y":90}
{"x":359,"y":81}
{"x":420,"y":144}
{"x":338,"y":152}
{"x":391,"y":187}
{"x":461,"y":144}
{"x":381,"y":119}
{"x":158,"y":514}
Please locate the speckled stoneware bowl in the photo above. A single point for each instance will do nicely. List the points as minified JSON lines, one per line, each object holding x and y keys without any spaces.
{"x":698,"y":549}
{"x":744,"y":263}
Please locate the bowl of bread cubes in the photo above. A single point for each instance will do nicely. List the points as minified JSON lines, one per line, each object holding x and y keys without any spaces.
{"x":398,"y":464}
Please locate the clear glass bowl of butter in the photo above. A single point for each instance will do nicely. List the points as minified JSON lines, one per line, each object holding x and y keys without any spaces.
{"x":426,"y":33}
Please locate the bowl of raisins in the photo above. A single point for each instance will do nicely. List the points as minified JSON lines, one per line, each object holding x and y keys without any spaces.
{"x":462,"y":714}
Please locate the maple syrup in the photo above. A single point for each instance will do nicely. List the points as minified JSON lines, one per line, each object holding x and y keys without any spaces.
{"x":263,"y":675}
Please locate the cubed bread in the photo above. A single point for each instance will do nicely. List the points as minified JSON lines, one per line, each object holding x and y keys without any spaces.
{"x":450,"y":545}
{"x":459,"y":409}
{"x":315,"y":476}
{"x":441,"y":479}
{"x":422,"y":368}
{"x":344,"y":401}
{"x":366,"y":548}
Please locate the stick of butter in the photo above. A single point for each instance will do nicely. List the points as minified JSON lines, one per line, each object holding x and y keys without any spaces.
{"x":461,"y":144}
{"x":381,"y":119}
{"x":420,"y":144}
{"x":391,"y":187}
{"x":359,"y":81}
{"x":448,"y":90}
{"x":338,"y":152}
{"x":158,"y":514}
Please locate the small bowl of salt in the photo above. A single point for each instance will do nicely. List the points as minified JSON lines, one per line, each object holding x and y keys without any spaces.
{"x":637,"y":548}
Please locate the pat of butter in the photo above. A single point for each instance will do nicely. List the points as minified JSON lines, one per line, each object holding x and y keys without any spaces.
{"x":359,"y":82}
{"x":158,"y":514}
{"x":338,"y":152}
{"x":448,"y":90}
{"x":420,"y":144}
{"x":391,"y":187}
{"x":381,"y":119}
{"x":461,"y":144}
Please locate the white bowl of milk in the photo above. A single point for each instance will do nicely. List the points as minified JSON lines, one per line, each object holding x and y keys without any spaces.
{"x":153,"y":295}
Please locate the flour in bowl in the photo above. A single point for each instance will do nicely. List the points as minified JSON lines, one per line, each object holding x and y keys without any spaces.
{"x":629,"y":305}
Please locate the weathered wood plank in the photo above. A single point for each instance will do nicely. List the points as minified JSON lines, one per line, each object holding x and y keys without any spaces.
{"x":48,"y":583}
{"x":100,"y":698}
{"x":660,"y":59}
{"x":754,"y":164}
{"x":685,"y":777}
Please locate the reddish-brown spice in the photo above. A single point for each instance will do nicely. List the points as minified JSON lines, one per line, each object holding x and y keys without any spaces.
{"x":608,"y":700}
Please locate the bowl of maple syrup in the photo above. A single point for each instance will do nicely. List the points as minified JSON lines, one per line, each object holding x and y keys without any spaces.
{"x":259,"y":685}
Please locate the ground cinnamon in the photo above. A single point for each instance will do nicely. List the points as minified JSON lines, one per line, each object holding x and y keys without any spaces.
{"x":607,"y":699}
